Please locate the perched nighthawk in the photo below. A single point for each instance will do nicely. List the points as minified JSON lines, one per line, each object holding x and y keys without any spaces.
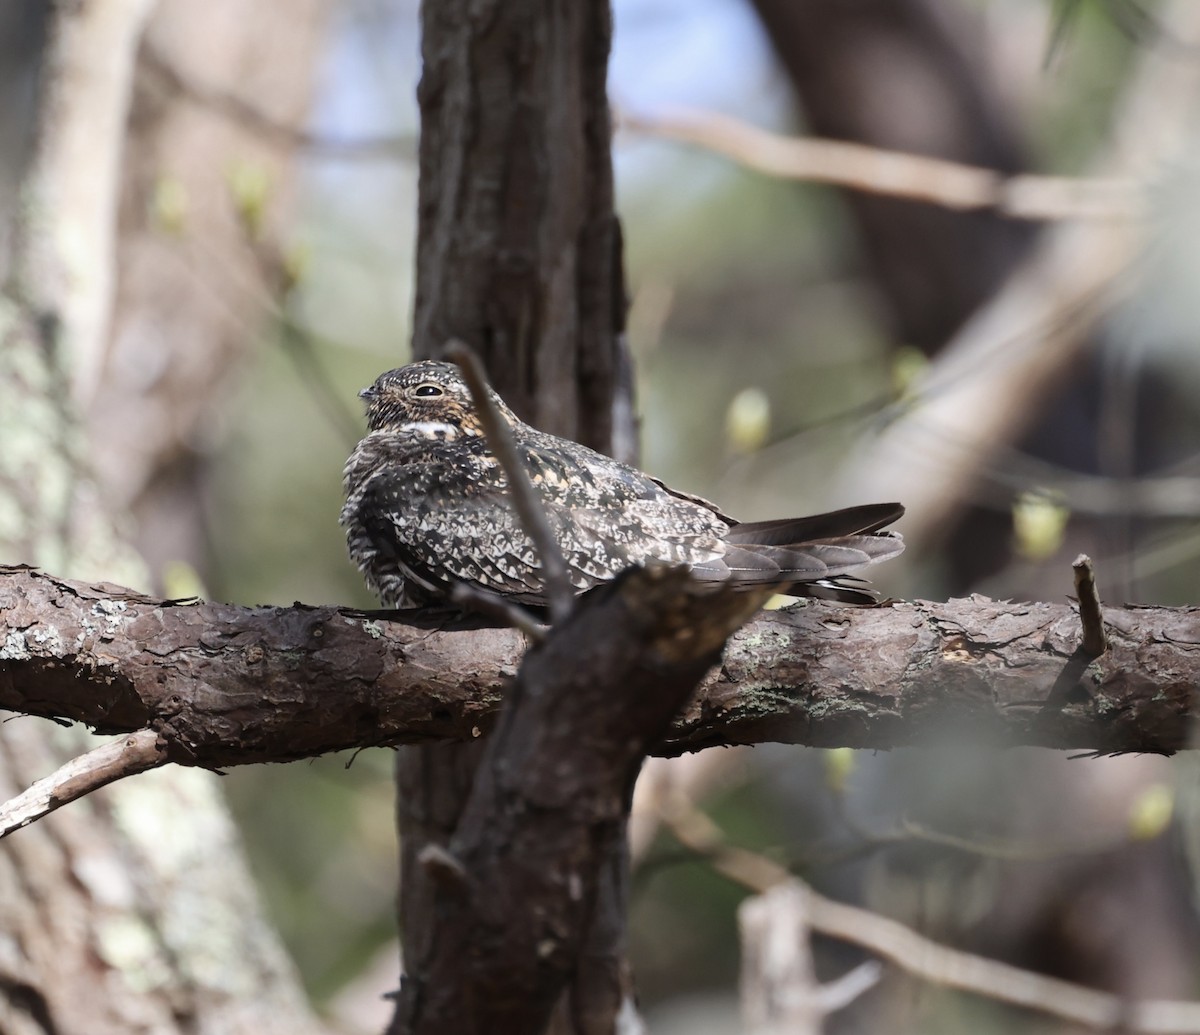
{"x":427,"y":506}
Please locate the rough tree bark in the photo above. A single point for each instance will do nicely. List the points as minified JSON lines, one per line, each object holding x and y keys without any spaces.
{"x":517,"y":892}
{"x":518,"y":254}
{"x":227,"y":685}
{"x":518,"y":245}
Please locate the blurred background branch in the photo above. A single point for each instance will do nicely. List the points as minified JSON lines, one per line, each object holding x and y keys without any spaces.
{"x":874,"y":170}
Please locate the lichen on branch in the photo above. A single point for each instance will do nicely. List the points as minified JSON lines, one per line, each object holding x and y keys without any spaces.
{"x":226,"y":685}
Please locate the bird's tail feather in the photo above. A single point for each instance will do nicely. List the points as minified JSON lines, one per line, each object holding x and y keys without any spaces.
{"x":835,"y":524}
{"x":810,"y":556}
{"x":752,"y":562}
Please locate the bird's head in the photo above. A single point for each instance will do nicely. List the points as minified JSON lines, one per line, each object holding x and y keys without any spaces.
{"x":428,"y":399}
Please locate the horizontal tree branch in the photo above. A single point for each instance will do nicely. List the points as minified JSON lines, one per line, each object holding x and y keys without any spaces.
{"x":224,"y":685}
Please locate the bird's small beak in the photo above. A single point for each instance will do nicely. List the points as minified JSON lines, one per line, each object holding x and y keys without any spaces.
{"x":368,"y":393}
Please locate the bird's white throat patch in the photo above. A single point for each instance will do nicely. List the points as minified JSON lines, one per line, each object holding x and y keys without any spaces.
{"x":432,"y":429}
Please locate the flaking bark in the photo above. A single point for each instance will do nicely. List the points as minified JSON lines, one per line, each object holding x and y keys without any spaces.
{"x":228,"y":685}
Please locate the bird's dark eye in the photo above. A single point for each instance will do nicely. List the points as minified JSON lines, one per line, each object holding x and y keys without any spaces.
{"x":427,"y":391}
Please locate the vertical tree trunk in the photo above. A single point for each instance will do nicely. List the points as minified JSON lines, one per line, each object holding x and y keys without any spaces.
{"x":132,"y":911}
{"x":518,"y":254}
{"x":192,"y":291}
{"x":517,"y":242}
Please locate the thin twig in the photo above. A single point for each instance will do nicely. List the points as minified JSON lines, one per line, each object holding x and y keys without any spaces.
{"x":909,"y":833}
{"x":894,"y":173}
{"x":115,"y":760}
{"x":866,"y":843}
{"x":493,"y":606}
{"x":298,"y":341}
{"x":928,"y":960}
{"x":842,"y":991}
{"x":1008,"y":850}
{"x":534,"y":521}
{"x":444,"y":865}
{"x":1095,"y":642}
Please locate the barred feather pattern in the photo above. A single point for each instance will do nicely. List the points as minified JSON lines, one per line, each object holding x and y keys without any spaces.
{"x":427,"y":506}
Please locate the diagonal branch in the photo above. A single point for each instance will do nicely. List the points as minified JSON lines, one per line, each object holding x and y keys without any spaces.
{"x":990,"y":979}
{"x":519,"y":882}
{"x":529,"y":507}
{"x":990,"y":380}
{"x":97,"y":768}
{"x":780,"y":893}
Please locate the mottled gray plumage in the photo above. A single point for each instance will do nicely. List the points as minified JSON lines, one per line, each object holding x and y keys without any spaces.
{"x":427,"y":505}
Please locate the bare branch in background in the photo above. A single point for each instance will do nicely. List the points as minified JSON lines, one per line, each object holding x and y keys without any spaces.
{"x":1171,"y":493}
{"x":991,"y":979}
{"x":987,"y":384}
{"x":840,"y":163}
{"x":922,"y":958}
{"x":780,"y":991}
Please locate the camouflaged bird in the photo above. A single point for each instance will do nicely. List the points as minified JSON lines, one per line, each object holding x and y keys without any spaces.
{"x":427,"y":506}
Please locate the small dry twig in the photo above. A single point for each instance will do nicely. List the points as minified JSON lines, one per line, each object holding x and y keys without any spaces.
{"x":1095,"y":642}
{"x":529,"y":508}
{"x":494,"y":606}
{"x":135,"y":753}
